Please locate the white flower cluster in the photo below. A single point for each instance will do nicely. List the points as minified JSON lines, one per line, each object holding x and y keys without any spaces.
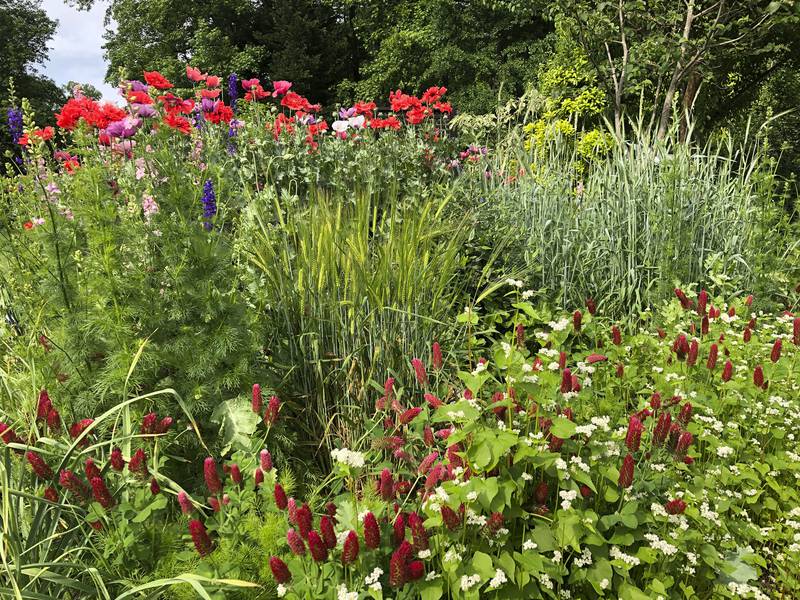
{"x":479,"y":368}
{"x":742,"y":589}
{"x":498,"y":579}
{"x":431,"y":576}
{"x":514,"y":283}
{"x":343,"y":594}
{"x":371,"y":580}
{"x":529,"y":545}
{"x":567,"y":496}
{"x":710,"y":515}
{"x":474,"y":518}
{"x":424,"y":554}
{"x":725,"y":451}
{"x":559,"y":325}
{"x":659,"y":544}
{"x":348,"y":457}
{"x":544,"y":579}
{"x":469,"y":581}
{"x":281,"y":590}
{"x":578,"y":462}
{"x":618,"y":554}
{"x":585,"y":559}
{"x":454,"y":554}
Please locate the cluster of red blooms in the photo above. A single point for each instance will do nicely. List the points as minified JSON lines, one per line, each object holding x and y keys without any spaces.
{"x":268,"y":413}
{"x":418,"y":109}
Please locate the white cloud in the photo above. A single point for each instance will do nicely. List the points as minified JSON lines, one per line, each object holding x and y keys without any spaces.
{"x":76,"y":52}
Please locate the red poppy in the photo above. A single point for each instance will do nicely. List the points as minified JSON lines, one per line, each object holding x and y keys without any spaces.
{"x":209,"y":93}
{"x":139,"y":97}
{"x":177,"y":122}
{"x":27,"y":225}
{"x":212,"y":81}
{"x":44,"y":134}
{"x":157,"y":80}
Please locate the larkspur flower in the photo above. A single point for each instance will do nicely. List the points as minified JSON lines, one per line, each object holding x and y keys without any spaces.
{"x":209,"y":200}
{"x":15,"y":125}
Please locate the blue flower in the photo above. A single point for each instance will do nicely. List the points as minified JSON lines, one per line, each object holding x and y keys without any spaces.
{"x":209,"y":200}
{"x":15,"y":124}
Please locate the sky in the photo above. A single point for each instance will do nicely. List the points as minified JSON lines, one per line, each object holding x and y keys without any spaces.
{"x":76,"y":52}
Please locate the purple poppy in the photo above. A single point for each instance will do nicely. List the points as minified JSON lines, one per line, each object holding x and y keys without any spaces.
{"x":143,"y":110}
{"x":124,"y":128}
{"x":346,"y":113}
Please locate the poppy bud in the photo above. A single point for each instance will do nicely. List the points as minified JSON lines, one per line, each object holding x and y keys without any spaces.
{"x":626,"y":472}
{"x":712,"y":357}
{"x":577,"y":318}
{"x":279,"y":570}
{"x":200,"y":537}
{"x":350,"y":548}
{"x":319,"y":551}
{"x":775,"y":356}
{"x":727,"y":371}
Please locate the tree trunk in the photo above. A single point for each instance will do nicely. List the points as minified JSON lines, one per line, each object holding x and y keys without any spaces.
{"x":689,"y":95}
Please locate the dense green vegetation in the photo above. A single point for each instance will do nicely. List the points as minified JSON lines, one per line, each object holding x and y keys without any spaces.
{"x":535,"y":335}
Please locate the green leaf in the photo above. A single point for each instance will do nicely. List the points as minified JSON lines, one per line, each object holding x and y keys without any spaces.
{"x":562,"y":428}
{"x":482,"y":564}
{"x":237,"y":422}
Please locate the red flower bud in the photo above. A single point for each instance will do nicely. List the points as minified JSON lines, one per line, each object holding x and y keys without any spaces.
{"x":409,"y":415}
{"x":100,"y":492}
{"x":691,"y":358}
{"x":398,"y":565}
{"x":626,"y":472}
{"x":416,"y":569}
{"x":437,"y":356}
{"x":796,"y":331}
{"x":758,"y":376}
{"x":154,"y":487}
{"x":257,"y":402}
{"x":265,"y":459}
{"x":304,"y":520}
{"x":702,"y":301}
{"x":39,"y":466}
{"x":91,"y":469}
{"x":566,"y":381}
{"x":520,"y":335}
{"x":686,"y":414}
{"x":713,"y":352}
{"x":399,"y":529}
{"x":494,"y":523}
{"x":148,"y":423}
{"x":295,"y":542}
{"x":620,"y":370}
{"x":236,"y":474}
{"x":775,"y":356}
{"x":280,"y":497}
{"x":53,"y":420}
{"x":634,"y":436}
{"x":258,"y":476}
{"x":749,"y":300}
{"x":591,"y":306}
{"x":200,"y":537}
{"x":727,"y":371}
{"x":211,"y":475}
{"x":44,"y":406}
{"x":138,"y":464}
{"x":595,"y":358}
{"x":271,"y":413}
{"x":51,"y":494}
{"x":427,"y":462}
{"x":577,"y":318}
{"x":419,"y":371}
{"x":655,"y":401}
{"x":372,"y":532}
{"x":279,"y":570}
{"x":214,"y":503}
{"x":450,"y":518}
{"x":70,"y":482}
{"x":541,"y":493}
{"x":586,"y":491}
{"x":747,"y":334}
{"x":185,"y":503}
{"x":675,"y":507}
{"x":732,"y":311}
{"x":319,"y":552}
{"x":684,"y":441}
{"x":418,"y":533}
{"x":387,"y":485}
{"x":433,"y":401}
{"x":575,"y":383}
{"x":616,"y":335}
{"x":685,"y":303}
{"x":350,"y":548}
{"x":704,"y":325}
